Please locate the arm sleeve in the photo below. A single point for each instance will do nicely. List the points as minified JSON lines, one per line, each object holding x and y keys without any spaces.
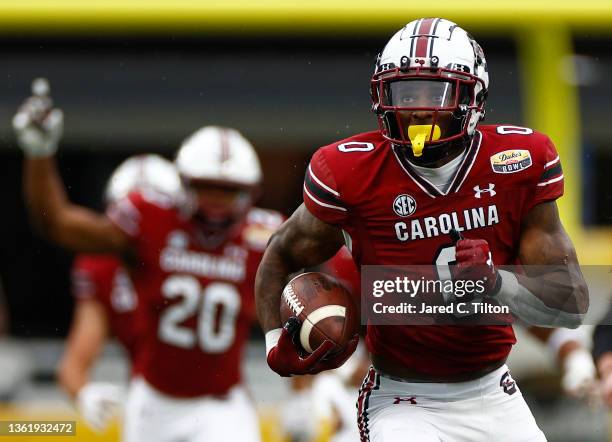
{"x":321,"y":192}
{"x":549,"y":183}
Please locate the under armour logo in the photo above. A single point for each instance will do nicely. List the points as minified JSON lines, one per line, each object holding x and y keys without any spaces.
{"x":410,"y":399}
{"x":490,"y":190}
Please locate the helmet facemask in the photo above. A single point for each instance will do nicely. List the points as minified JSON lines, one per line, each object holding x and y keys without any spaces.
{"x":426,"y":109}
{"x":429,"y":89}
{"x":221,"y":171}
{"x":218,"y":208}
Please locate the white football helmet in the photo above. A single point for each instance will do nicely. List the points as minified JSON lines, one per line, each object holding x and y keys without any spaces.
{"x":222,"y":173}
{"x":219,"y":155}
{"x":430,"y":85}
{"x":142,"y":173}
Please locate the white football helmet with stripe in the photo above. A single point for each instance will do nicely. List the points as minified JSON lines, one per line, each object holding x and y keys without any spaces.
{"x":220,"y":155}
{"x":222,"y":174}
{"x":430,"y":85}
{"x":144,"y":173}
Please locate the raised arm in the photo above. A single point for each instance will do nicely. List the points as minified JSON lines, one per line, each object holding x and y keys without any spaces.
{"x":38,"y":127}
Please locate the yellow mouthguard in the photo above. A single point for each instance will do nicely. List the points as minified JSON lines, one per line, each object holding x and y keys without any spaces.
{"x":418,"y":134}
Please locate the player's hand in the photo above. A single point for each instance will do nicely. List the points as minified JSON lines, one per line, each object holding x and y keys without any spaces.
{"x":338,"y":358}
{"x":38,"y":126}
{"x":579,"y":374}
{"x":286,"y":359}
{"x":475,"y":262}
{"x":98,"y":403}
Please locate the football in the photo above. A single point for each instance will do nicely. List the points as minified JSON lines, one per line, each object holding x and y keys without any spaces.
{"x":324,"y":308}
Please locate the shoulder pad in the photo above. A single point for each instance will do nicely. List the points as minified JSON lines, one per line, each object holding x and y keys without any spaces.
{"x":259,"y":227}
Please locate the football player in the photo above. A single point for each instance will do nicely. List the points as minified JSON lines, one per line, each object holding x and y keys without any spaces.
{"x":191,"y":264}
{"x":394,"y":196}
{"x":106,"y":302}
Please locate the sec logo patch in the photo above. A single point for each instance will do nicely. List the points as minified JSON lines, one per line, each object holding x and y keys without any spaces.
{"x":404,"y":205}
{"x":511,"y":161}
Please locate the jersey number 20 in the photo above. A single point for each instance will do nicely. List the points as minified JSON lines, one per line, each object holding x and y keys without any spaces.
{"x":215,"y":333}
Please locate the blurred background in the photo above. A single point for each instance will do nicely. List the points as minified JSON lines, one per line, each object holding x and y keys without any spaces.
{"x":140,"y":76}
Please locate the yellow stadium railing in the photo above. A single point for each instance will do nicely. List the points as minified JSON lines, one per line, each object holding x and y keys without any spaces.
{"x":238,"y":16}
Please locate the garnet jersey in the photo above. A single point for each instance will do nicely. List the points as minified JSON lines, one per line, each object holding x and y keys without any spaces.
{"x":197,"y":302}
{"x":393,"y":216}
{"x":103,"y":279}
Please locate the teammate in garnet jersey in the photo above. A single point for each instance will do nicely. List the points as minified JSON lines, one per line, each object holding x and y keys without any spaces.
{"x":433,"y":187}
{"x":192,"y":265}
{"x":106,"y":302}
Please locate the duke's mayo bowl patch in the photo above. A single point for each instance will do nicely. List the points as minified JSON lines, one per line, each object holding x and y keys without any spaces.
{"x":510,"y":161}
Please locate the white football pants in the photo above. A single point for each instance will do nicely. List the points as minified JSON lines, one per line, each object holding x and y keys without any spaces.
{"x":151,"y":416}
{"x":490,"y":408}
